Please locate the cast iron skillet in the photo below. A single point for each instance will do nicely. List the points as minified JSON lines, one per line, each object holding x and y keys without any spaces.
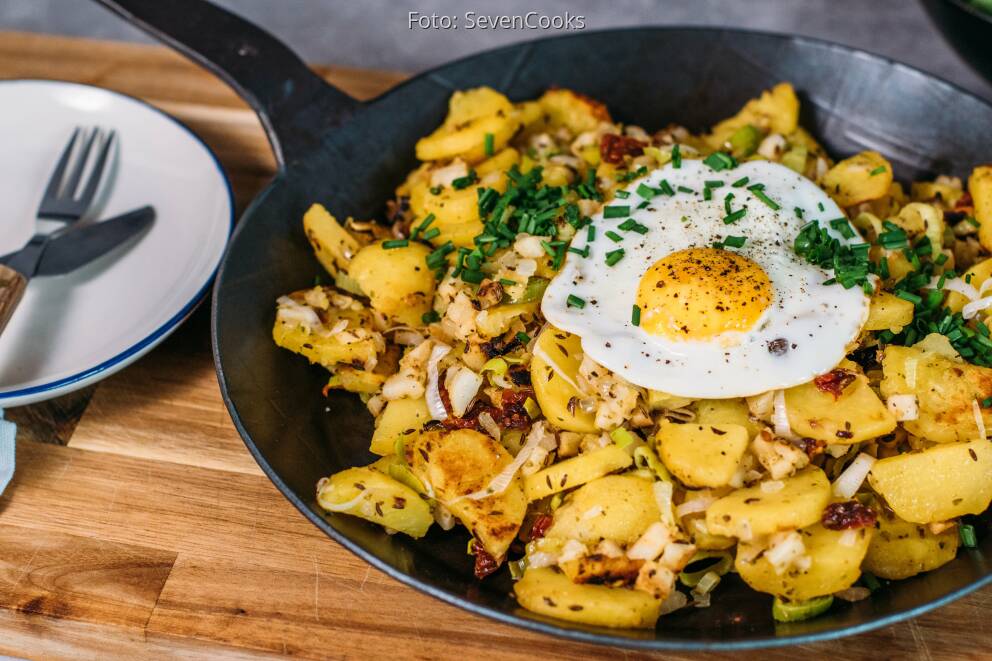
{"x":967,"y":29}
{"x":350,"y":155}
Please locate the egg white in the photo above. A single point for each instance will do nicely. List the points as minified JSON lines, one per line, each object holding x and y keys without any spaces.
{"x":818,"y":321}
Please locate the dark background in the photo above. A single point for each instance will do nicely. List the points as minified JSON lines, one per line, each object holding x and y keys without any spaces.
{"x":376,"y":33}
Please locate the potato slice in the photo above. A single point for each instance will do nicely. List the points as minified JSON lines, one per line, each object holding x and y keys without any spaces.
{"x":726,"y":411}
{"x":834,"y":565}
{"x":577,"y":112}
{"x":976,"y":277}
{"x":937,"y":484}
{"x":402,"y":418}
{"x":900,"y":549}
{"x":332,"y":243}
{"x":945,"y":388}
{"x":702,"y":455}
{"x":472,"y":114}
{"x":462,"y":462}
{"x":576,"y":471}
{"x":888,"y":312}
{"x":371,"y":495}
{"x":752,"y":512}
{"x":396,"y":280}
{"x":617,"y":507}
{"x":554,"y":373}
{"x":860,"y":178}
{"x":775,"y":111}
{"x":980,"y":187}
{"x":855,"y":416}
{"x":456,"y":214}
{"x":550,"y":593}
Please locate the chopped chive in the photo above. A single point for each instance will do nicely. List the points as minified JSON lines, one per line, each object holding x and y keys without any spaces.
{"x":735,"y":216}
{"x":819,"y":205}
{"x":590,"y":234}
{"x":614,"y":256}
{"x":424,"y":225}
{"x":635,"y":315}
{"x":909,"y":296}
{"x":799,"y":213}
{"x":472,"y":276}
{"x":548,"y":248}
{"x":581,"y":253}
{"x":622,"y":194}
{"x":966,"y":532}
{"x":727,"y":201}
{"x":685,"y":189}
{"x":395,"y":243}
{"x":523,"y":337}
{"x":643,"y":205}
{"x":987,"y":402}
{"x":676,"y":157}
{"x":940,"y":259}
{"x":720,"y":161}
{"x":435,"y":190}
{"x":665,"y":188}
{"x":430,"y":317}
{"x":870,"y":581}
{"x":432,"y":233}
{"x":707,"y":193}
{"x":631,"y":225}
{"x":613,"y":236}
{"x":616,"y":211}
{"x":646,"y":191}
{"x":740,"y":183}
{"x":506,"y":282}
{"x":734,"y":241}
{"x":466,"y":181}
{"x":842,"y":226}
{"x":971,"y":220}
{"x":574,"y":301}
{"x":713,"y":183}
{"x":879,"y":170}
{"x":490,"y":144}
{"x":760,"y":194}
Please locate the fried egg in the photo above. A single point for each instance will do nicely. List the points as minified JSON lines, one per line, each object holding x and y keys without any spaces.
{"x":716,"y":319}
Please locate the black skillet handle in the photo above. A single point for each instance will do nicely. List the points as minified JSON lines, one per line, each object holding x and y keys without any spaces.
{"x":295,"y":105}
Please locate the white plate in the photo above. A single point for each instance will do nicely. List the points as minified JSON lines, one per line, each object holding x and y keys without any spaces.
{"x":73,"y":330}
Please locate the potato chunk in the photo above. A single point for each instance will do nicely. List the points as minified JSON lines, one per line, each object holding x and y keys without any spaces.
{"x":856,"y":415}
{"x":456,"y":214}
{"x":402,"y":418}
{"x":702,"y":455}
{"x":900,"y":549}
{"x":616,"y":507}
{"x":937,"y":484}
{"x":945,"y":389}
{"x":888,"y":312}
{"x":775,"y":111}
{"x":333,"y":245}
{"x":834,"y":565}
{"x":550,"y":593}
{"x":726,"y":411}
{"x":980,"y":187}
{"x":860,"y":178}
{"x":462,"y":462}
{"x":753,"y":512}
{"x":577,"y":112}
{"x":396,"y":280}
{"x":554,"y":372}
{"x":471,"y":115}
{"x":576,"y":471}
{"x":368,"y":494}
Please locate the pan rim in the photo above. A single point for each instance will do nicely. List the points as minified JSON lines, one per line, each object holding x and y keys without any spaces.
{"x":606,"y":639}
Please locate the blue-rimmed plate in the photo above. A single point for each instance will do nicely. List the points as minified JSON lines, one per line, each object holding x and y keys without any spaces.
{"x":73,"y":330}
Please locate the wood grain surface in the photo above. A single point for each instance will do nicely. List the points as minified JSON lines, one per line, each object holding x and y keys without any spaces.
{"x":138,"y":526}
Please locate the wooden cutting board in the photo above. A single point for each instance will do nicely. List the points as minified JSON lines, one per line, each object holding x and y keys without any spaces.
{"x":138,"y":525}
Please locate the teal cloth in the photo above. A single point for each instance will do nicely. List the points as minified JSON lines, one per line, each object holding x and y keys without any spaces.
{"x":8,"y":430}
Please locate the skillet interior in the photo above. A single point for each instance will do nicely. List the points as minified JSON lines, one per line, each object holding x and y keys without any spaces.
{"x":851,"y":101}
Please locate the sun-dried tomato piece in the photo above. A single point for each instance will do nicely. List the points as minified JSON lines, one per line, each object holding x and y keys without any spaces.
{"x":540,"y":526}
{"x":612,"y":148}
{"x":849,"y":515}
{"x":812,"y":446}
{"x":835,"y":381}
{"x":485,"y":564}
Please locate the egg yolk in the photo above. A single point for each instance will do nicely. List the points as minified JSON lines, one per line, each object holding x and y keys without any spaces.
{"x":698,"y":293}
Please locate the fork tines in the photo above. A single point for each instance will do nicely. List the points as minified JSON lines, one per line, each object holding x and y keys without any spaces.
{"x":63,"y":198}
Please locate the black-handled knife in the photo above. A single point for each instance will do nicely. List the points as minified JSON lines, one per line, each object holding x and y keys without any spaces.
{"x":79,"y":246}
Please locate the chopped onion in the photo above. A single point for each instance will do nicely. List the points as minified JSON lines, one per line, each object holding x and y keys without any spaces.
{"x":663,"y":492}
{"x":409,"y":338}
{"x":500,"y":482}
{"x":290,"y":310}
{"x":848,"y":482}
{"x":592,"y":512}
{"x":706,"y":585}
{"x":848,"y":538}
{"x":780,"y":417}
{"x":444,"y":176}
{"x":490,"y":425}
{"x":956,"y":285}
{"x":542,"y":559}
{"x":785,"y":549}
{"x":573,"y":550}
{"x":651,"y":544}
{"x":979,"y":420}
{"x":444,"y":518}
{"x":342,"y":507}
{"x":694,"y":506}
{"x":543,"y":355}
{"x":530,"y":246}
{"x":853,"y":593}
{"x":462,"y":385}
{"x":338,"y":327}
{"x":673,"y":602}
{"x":903,"y":407}
{"x":973,"y":308}
{"x":433,"y":396}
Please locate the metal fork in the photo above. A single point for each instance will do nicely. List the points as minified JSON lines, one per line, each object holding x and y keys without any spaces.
{"x":62,"y":201}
